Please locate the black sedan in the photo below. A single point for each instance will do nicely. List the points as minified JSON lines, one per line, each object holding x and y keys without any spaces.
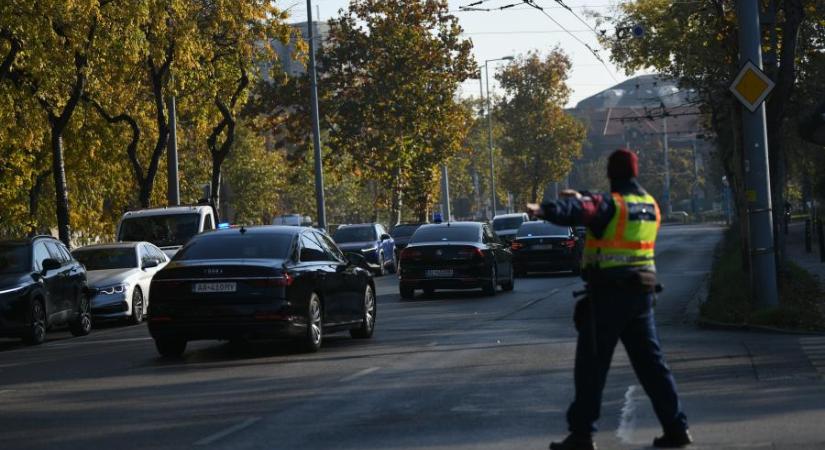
{"x":402,"y":233}
{"x":543,"y":246}
{"x":260,"y":282}
{"x":455,"y":255}
{"x":41,"y":286}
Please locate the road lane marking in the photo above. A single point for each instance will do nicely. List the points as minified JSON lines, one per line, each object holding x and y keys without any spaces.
{"x":96,"y":341}
{"x":358,"y":374}
{"x":4,"y":391}
{"x":527,"y":305}
{"x":627,"y":422}
{"x":227,"y":431}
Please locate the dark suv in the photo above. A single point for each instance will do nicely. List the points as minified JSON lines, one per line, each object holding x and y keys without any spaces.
{"x":41,"y":286}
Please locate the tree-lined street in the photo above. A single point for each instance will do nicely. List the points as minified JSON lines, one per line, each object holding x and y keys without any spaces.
{"x":457,"y":370}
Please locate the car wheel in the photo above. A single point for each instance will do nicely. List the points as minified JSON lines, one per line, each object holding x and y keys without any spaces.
{"x":36,"y":333}
{"x":490,"y":286}
{"x":315,"y":325}
{"x":137,"y":306}
{"x":170,"y":347}
{"x":407,"y":293}
{"x":82,"y":325}
{"x":368,"y":320}
{"x":510,"y":283}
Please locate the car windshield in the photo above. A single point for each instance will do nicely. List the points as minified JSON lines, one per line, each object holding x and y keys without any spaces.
{"x":507,"y":223}
{"x":354,"y":234}
{"x":446,"y":234}
{"x":404,"y":230}
{"x":107,"y":258}
{"x":542,"y":229}
{"x":163,"y":231}
{"x":14,"y":258}
{"x":237,"y":246}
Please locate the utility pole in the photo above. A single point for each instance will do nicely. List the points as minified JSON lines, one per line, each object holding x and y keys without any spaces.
{"x":445,"y":191}
{"x":695,"y":190}
{"x":666,"y":193}
{"x":490,"y":132}
{"x":172,"y":184}
{"x":316,"y":126}
{"x":481,"y":106}
{"x":757,"y":173}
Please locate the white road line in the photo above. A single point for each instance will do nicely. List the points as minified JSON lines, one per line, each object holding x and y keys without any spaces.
{"x":227,"y":431}
{"x":4,"y":391}
{"x":96,"y":341}
{"x":627,"y":423}
{"x":358,"y":374}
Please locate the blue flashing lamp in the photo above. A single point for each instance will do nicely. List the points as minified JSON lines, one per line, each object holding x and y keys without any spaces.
{"x":223,"y":226}
{"x":437,"y":218}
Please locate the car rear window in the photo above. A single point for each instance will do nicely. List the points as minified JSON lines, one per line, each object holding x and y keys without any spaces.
{"x":507,"y":223}
{"x":446,"y":234}
{"x":237,"y":246}
{"x":404,"y":230}
{"x":354,"y":234}
{"x":528,"y":229}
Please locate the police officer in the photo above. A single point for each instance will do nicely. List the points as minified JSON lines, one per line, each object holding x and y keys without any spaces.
{"x":619,"y":269}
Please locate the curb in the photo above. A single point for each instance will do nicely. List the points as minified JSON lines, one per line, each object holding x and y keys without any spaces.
{"x":714,"y":325}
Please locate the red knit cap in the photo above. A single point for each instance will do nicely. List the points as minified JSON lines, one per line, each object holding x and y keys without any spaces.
{"x":622,"y":164}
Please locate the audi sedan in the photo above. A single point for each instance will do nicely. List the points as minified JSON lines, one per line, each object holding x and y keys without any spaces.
{"x":455,"y":255}
{"x":260,"y":282}
{"x":543,"y":246}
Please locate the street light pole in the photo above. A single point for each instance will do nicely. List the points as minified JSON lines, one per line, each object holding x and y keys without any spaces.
{"x":316,"y":127}
{"x":490,"y":132}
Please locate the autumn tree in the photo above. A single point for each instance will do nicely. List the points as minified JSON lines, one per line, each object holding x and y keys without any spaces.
{"x":541,"y":140}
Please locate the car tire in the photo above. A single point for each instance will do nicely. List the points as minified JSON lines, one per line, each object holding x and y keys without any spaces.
{"x":82,"y":325}
{"x":491,"y":286}
{"x":315,"y":325}
{"x":36,"y":334}
{"x":137,"y":307}
{"x":170,"y":347}
{"x":368,"y":319}
{"x":510,"y":284}
{"x":407,"y":293}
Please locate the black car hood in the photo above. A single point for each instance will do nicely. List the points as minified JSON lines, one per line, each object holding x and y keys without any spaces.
{"x":13,"y":280}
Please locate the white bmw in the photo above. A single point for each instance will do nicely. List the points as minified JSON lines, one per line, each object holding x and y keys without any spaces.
{"x":118,"y":277}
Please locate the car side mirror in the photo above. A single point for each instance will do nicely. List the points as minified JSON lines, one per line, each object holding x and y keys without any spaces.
{"x":50,"y":264}
{"x":356,"y":259}
{"x":385,"y":237}
{"x":150,"y":263}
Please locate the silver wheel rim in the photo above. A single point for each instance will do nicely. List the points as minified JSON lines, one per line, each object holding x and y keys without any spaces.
{"x":38,"y":322}
{"x":137,"y":306}
{"x":369,"y":308}
{"x":315,"y":320}
{"x":85,"y":320}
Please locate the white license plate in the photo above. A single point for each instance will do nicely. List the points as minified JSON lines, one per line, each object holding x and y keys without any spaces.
{"x":200,"y":288}
{"x":438,"y":273}
{"x":543,"y":247}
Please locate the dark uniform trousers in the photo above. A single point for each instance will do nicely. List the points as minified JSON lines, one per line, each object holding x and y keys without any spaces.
{"x":626,"y":316}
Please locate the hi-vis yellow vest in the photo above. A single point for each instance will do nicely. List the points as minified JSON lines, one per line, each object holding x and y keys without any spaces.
{"x":629,"y":239}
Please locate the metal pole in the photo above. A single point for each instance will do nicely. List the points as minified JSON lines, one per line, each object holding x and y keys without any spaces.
{"x":172,"y":185}
{"x":316,"y":126}
{"x":490,"y":140}
{"x":666,"y":194}
{"x":695,"y":190}
{"x":481,"y":104}
{"x":445,"y":191}
{"x":757,"y":173}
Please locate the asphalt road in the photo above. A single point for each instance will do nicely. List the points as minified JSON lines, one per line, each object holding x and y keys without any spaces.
{"x":457,"y":370}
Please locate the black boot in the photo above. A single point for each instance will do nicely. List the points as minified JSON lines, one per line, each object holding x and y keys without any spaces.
{"x":574,"y":442}
{"x":677,"y":439}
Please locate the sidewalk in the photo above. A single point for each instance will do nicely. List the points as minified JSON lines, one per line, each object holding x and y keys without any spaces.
{"x":795,"y":248}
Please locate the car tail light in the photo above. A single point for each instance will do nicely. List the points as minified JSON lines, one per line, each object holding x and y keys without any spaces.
{"x":409,"y":254}
{"x":470,"y":252}
{"x":280,"y":281}
{"x":570,"y":243}
{"x":516,"y":245}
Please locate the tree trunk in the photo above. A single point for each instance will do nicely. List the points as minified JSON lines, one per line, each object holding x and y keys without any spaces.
{"x":61,"y":192}
{"x":34,"y":199}
{"x":395,"y":198}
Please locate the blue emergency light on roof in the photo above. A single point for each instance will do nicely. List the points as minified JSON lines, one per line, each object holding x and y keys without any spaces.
{"x":223,"y":226}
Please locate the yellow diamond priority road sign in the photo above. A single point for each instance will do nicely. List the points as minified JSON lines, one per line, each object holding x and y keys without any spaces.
{"x":751,"y":86}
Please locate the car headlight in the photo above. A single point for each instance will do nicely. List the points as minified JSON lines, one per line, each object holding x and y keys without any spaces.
{"x":112,"y":290}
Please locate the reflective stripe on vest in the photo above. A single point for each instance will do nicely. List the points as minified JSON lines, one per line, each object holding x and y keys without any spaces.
{"x":629,"y":238}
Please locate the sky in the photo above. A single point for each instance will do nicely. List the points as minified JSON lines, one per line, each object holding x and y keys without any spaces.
{"x":515,"y":31}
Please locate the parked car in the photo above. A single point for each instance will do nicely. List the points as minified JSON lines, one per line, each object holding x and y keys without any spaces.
{"x":168,"y":227}
{"x":119,"y":277}
{"x":370,"y":240}
{"x":267,"y":281}
{"x":543,"y":246}
{"x":41,"y":286}
{"x":506,"y":225}
{"x":402,"y":233}
{"x":455,"y":255}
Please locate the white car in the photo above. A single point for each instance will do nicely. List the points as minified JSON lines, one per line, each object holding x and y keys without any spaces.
{"x":168,"y":227}
{"x":118,"y":277}
{"x":506,"y":225}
